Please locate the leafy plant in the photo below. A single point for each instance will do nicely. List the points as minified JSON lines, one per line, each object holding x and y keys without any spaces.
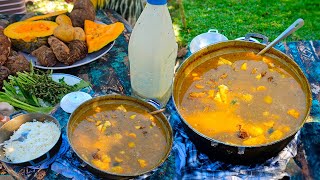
{"x":35,"y":91}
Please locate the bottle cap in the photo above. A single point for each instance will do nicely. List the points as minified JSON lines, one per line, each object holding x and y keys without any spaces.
{"x":157,"y":2}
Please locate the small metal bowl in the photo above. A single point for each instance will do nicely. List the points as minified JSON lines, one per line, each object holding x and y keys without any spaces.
{"x":107,"y":100}
{"x":205,"y":39}
{"x":11,"y":126}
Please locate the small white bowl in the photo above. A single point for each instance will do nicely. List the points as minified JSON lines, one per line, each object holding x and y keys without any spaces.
{"x":72,"y":100}
{"x":205,"y":39}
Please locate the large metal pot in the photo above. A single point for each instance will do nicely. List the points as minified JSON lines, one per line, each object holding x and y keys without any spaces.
{"x":8,"y":129}
{"x":112,"y":100}
{"x":223,"y":151}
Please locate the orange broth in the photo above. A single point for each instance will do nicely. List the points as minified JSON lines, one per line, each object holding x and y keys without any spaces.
{"x":120,"y":139}
{"x":248,"y":102}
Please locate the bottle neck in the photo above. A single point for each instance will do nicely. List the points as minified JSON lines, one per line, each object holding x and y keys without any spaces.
{"x":157,"y":2}
{"x":153,"y":8}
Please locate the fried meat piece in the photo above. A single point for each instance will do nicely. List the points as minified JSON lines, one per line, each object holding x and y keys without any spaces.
{"x":17,"y":63}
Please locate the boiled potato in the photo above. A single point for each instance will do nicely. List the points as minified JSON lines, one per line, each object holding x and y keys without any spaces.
{"x":258,"y":76}
{"x":98,"y":163}
{"x":63,"y":19}
{"x":223,"y":61}
{"x":247,"y":97}
{"x":119,"y":160}
{"x":199,"y":86}
{"x":131,"y":144}
{"x":211,"y":93}
{"x":79,"y":34}
{"x":197,"y":94}
{"x":221,"y":96}
{"x":254,"y":131}
{"x":197,"y":78}
{"x":117,"y":169}
{"x":276,"y":135}
{"x":105,"y":158}
{"x":244,"y":66}
{"x":64,"y":32}
{"x":261,"y":88}
{"x":294,"y":113}
{"x":255,"y":140}
{"x":142,"y":163}
{"x":268,"y":99}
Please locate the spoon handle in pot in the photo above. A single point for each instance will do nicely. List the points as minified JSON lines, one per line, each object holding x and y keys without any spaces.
{"x":295,"y":26}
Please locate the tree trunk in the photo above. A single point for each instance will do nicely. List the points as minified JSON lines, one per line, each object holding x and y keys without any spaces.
{"x":182,"y":13}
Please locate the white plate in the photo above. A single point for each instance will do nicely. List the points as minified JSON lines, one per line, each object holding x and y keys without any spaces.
{"x":89,"y":58}
{"x":68,"y":78}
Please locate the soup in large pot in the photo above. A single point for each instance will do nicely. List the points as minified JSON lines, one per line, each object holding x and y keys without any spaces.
{"x":242,"y":99}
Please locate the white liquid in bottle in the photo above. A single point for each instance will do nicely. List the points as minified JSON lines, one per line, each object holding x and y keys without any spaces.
{"x":152,"y":53}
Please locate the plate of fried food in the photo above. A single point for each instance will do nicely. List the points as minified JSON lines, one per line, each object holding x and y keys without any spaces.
{"x":43,"y":58}
{"x":62,"y":40}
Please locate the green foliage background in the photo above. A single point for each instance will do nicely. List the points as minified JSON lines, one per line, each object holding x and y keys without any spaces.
{"x":235,"y":18}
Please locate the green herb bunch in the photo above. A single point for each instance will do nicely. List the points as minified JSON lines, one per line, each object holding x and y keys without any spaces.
{"x":35,"y":91}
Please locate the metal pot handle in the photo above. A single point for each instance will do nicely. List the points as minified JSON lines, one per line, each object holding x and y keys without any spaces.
{"x":213,"y":30}
{"x":214,"y":144}
{"x":265,"y":39}
{"x":241,"y":150}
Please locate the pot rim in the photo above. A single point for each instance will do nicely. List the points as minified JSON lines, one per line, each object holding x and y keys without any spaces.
{"x":146,"y":105}
{"x":259,"y":47}
{"x":32,"y":114}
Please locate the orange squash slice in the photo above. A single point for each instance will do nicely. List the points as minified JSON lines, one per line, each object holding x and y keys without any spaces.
{"x":99,"y":35}
{"x":46,"y":16}
{"x":28,"y":30}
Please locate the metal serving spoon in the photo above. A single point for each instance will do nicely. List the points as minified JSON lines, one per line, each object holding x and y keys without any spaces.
{"x":21,"y":138}
{"x":157,"y":111}
{"x":295,"y":26}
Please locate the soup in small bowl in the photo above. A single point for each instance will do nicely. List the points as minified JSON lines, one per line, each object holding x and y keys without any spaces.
{"x":118,"y":136}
